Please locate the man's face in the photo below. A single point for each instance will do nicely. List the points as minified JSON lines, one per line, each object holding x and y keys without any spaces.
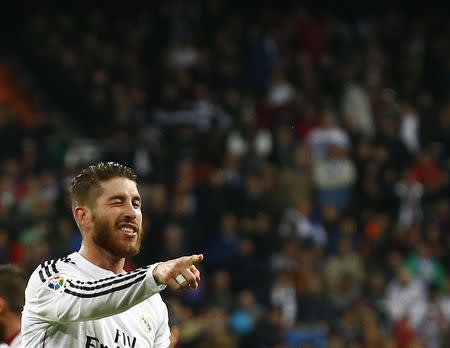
{"x":117,"y":218}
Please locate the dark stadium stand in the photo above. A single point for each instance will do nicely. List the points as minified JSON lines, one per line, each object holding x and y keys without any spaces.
{"x":303,"y":149}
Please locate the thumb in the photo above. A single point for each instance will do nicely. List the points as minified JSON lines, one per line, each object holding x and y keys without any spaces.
{"x":195,"y":259}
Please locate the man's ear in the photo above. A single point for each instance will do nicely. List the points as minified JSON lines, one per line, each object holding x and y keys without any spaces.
{"x":83,"y":216}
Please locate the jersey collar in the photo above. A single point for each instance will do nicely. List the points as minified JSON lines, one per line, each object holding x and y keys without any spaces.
{"x":89,"y":268}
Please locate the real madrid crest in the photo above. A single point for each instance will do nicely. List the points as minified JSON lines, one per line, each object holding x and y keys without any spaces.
{"x":145,"y":322}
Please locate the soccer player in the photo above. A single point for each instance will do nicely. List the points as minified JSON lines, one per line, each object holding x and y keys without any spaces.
{"x":86,"y":299}
{"x":12,"y":288}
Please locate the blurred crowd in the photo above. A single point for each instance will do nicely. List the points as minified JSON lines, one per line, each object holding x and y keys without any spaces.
{"x":304,"y":151}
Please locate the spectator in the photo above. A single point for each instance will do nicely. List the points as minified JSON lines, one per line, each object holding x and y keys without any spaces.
{"x":409,"y":192}
{"x":357,"y":110}
{"x":298,"y":222}
{"x":12,"y":299}
{"x":221,"y":293}
{"x":246,"y":313}
{"x":424,"y":267}
{"x":268,"y":331}
{"x":224,"y":248}
{"x":326,"y":134}
{"x":334,"y":176}
{"x":426,"y":171}
{"x":314,"y":307}
{"x":294,"y":182}
{"x":409,"y":129}
{"x":346,"y":262}
{"x":283,"y":295}
{"x":430,"y":320}
{"x":402,"y":293}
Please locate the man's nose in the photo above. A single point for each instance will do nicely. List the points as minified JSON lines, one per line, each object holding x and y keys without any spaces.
{"x":130,"y":212}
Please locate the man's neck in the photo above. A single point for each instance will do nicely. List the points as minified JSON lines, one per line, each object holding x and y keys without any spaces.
{"x":102,"y":258}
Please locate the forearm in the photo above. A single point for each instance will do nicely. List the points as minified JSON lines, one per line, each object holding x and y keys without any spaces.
{"x":81,"y":301}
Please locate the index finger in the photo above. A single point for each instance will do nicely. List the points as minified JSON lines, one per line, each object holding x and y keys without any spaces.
{"x":195,"y":259}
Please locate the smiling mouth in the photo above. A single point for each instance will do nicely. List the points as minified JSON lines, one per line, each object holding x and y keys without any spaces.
{"x":128,"y":231}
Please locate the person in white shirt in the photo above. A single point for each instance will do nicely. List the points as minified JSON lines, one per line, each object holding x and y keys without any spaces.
{"x":327,"y":133}
{"x":403,"y":293}
{"x":12,"y":288}
{"x":86,"y":299}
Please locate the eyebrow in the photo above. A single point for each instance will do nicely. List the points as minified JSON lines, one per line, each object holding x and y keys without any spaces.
{"x":122,"y":196}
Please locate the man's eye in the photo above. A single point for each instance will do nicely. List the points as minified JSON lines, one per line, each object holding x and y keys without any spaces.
{"x":137,"y":204}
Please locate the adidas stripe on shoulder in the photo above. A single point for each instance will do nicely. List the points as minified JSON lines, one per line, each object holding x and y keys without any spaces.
{"x":89,"y":289}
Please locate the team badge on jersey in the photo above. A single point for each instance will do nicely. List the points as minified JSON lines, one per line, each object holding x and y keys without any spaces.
{"x":56,"y":282}
{"x":145,"y":321}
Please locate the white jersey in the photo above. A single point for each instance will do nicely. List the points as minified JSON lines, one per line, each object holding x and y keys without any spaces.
{"x":72,"y":303}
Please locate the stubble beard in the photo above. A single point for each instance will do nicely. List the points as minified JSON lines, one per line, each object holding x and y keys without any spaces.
{"x":105,"y":236}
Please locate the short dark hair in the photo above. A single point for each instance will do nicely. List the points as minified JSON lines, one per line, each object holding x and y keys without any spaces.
{"x":86,"y":185}
{"x":13,"y":282}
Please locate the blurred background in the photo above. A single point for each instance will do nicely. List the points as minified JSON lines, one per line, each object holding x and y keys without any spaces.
{"x":303,"y":148}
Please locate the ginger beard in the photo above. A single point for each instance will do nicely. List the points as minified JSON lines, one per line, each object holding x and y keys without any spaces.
{"x":107,"y":235}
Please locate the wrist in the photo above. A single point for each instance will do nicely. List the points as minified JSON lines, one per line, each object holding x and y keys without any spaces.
{"x":157,"y":276}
